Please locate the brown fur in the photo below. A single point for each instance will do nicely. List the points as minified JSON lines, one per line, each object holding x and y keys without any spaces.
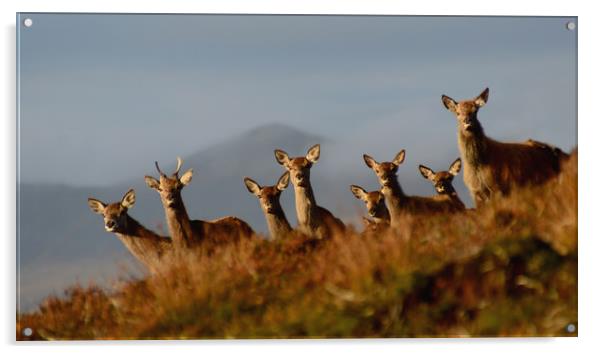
{"x":146,"y":246}
{"x":397,"y":201}
{"x":496,"y":167}
{"x":269,"y":200}
{"x":442,"y":181}
{"x":312,"y":219}
{"x":375,"y":206}
{"x":187,"y":233}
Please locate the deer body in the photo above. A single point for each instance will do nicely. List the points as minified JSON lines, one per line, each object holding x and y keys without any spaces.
{"x":269,"y":199}
{"x":492,"y":166}
{"x":188,"y":233}
{"x":312,"y":218}
{"x":146,"y":246}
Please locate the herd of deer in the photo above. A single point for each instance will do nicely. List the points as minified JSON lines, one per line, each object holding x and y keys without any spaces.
{"x":490,"y":167}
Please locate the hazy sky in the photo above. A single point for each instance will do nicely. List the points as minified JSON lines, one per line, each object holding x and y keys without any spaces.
{"x":102,"y":96}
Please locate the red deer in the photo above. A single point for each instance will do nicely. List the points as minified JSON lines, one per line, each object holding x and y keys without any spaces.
{"x":269,"y":199}
{"x":313,"y":220}
{"x":146,"y":246}
{"x":491,"y":166}
{"x":442,"y":181}
{"x":397,"y":201}
{"x":188,"y":233}
{"x":375,"y":205}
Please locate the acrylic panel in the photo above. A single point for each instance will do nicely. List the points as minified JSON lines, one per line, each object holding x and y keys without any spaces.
{"x":189,"y":176}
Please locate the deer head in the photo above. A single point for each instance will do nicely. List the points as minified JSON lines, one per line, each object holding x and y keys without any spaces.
{"x":169,"y":187}
{"x":269,"y":196}
{"x":299,"y":166}
{"x":442,"y":180}
{"x":386,"y":171}
{"x":375,"y":201}
{"x":114,"y":214}
{"x":466,"y":111}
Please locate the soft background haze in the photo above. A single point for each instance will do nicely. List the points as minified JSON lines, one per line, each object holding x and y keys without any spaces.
{"x":104,"y":96}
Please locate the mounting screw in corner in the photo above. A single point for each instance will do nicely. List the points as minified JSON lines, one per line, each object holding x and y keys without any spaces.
{"x":571,"y":328}
{"x":27,"y":331}
{"x":28,"y":22}
{"x":571,"y":25}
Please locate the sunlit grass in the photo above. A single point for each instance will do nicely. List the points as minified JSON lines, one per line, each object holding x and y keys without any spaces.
{"x":507,"y":269}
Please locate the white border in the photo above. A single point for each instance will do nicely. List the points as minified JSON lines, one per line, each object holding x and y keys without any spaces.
{"x":589,"y":161}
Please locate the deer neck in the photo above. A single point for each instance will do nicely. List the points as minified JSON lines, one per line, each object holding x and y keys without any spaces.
{"x":473,"y":145}
{"x":394,"y":197}
{"x":305,"y":204}
{"x":179,"y":223}
{"x":145,"y":245}
{"x":278,"y":225}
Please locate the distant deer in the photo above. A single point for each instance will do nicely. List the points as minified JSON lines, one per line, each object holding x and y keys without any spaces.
{"x":146,"y":246}
{"x":375,"y":205}
{"x":269,"y":199}
{"x":312,"y":219}
{"x":185,"y":232}
{"x":492,"y":166}
{"x":397,"y":201}
{"x":442,"y":181}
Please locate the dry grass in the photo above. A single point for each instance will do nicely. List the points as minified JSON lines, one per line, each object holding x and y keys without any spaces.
{"x":507,"y":269}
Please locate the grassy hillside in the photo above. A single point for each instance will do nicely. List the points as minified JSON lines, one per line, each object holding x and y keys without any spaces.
{"x":507,"y":269}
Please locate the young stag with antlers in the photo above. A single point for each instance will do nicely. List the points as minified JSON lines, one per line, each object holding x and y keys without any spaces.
{"x":442,"y":181}
{"x":312,"y":218}
{"x":397,"y":201}
{"x":145,"y":245}
{"x":269,"y":199}
{"x":185,"y":232}
{"x":492,"y":166}
{"x":375,"y":205}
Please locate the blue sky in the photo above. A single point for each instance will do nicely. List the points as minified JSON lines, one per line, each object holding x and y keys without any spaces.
{"x":98,"y":92}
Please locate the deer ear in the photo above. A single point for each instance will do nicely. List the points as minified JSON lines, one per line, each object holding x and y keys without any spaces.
{"x":252,"y":186}
{"x":399,"y":157}
{"x":455,"y":167}
{"x":449,"y":103}
{"x":186,"y":177}
{"x":283,"y":181}
{"x":313,"y":154}
{"x":358,"y":192}
{"x":482,"y":98}
{"x":281,"y":157}
{"x":128,"y":199}
{"x":96,"y":205}
{"x":151,"y":182}
{"x":426,"y":172}
{"x":370,"y":162}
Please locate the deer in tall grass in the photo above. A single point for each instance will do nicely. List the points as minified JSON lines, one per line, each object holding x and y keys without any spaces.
{"x":269,"y":200}
{"x":188,"y":233}
{"x":375,"y":206}
{"x":313,"y":219}
{"x":397,"y":201}
{"x":442,"y":181}
{"x":491,"y":166}
{"x":146,"y":246}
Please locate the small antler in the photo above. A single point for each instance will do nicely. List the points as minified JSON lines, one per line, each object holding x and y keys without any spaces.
{"x":158,"y":169}
{"x":178,"y":166}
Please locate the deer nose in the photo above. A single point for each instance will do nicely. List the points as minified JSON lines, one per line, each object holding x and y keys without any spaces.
{"x":110,"y":224}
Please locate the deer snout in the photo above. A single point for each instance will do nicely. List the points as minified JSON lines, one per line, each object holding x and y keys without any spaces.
{"x":110,"y":225}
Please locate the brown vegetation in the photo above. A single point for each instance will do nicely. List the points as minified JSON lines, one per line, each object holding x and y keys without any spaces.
{"x":508,"y":268}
